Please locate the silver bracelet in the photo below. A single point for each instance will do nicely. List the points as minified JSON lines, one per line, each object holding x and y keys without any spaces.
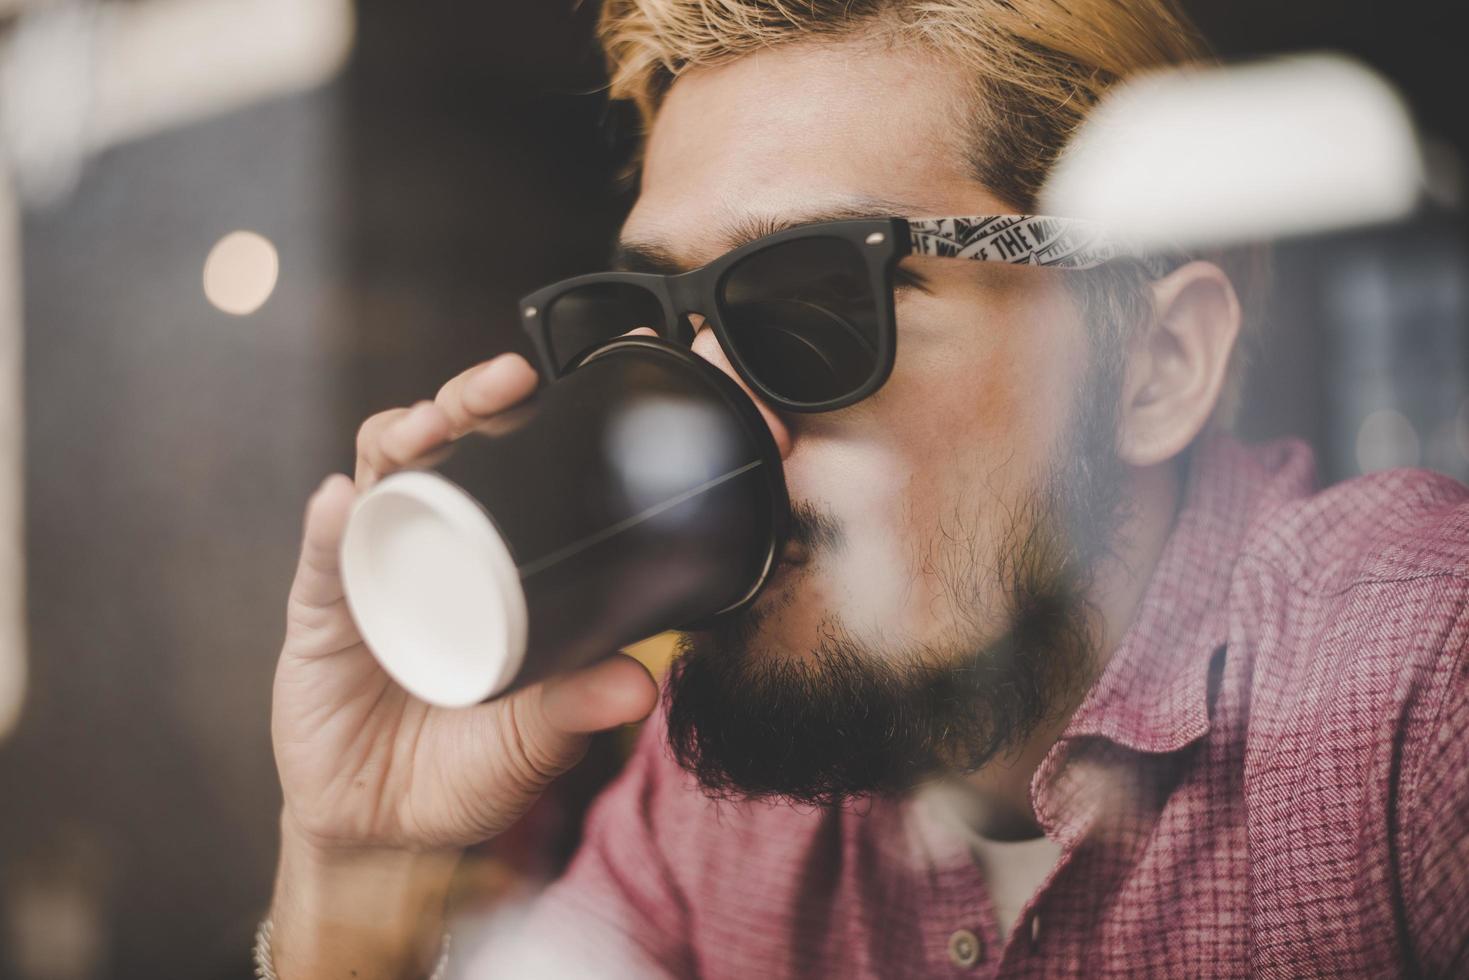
{"x":265,"y":966}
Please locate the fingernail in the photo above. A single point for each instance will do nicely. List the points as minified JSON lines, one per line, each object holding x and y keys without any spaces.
{"x":491,"y":376}
{"x":332,"y":478}
{"x":494,"y":382}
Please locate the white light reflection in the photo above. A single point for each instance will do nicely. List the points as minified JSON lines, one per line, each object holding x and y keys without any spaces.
{"x":1461,"y":429}
{"x":76,"y":78}
{"x":1194,"y":157}
{"x":240,"y":272}
{"x":517,"y":938}
{"x":1386,"y":439}
{"x":13,"y":639}
{"x":650,"y":445}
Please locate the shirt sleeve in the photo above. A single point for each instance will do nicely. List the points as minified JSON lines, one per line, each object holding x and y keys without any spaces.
{"x":1435,"y":869}
{"x":617,"y":911}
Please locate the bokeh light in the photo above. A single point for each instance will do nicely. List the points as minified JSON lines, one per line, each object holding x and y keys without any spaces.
{"x":240,"y":272}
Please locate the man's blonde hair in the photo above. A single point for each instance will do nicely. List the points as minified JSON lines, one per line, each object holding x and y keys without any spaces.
{"x":1033,"y":70}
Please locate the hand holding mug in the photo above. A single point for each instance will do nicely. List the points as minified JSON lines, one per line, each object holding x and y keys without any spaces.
{"x":362,"y":763}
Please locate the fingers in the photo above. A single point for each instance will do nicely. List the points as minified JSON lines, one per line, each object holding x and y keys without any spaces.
{"x":390,"y":440}
{"x":615,"y":691}
{"x":318,"y":584}
{"x":484,"y":390}
{"x":545,"y":728}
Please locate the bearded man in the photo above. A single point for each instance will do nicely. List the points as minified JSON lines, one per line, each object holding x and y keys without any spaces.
{"x":1056,"y":677}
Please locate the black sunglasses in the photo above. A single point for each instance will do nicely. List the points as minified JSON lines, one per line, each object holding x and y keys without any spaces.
{"x":805,"y":315}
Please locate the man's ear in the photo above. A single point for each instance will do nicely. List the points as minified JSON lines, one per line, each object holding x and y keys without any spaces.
{"x":1177,"y":363}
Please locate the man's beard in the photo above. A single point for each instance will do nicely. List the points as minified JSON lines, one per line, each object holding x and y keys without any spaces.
{"x":848,"y":720}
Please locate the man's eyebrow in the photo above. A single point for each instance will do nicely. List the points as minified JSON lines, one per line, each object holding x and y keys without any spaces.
{"x":747,"y":228}
{"x":653,"y":256}
{"x":630,"y":256}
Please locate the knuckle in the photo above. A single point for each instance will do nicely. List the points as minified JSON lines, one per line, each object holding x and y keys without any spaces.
{"x":316,"y":629}
{"x":368,"y":431}
{"x":532,"y":765}
{"x":370,"y":437}
{"x":451,"y":401}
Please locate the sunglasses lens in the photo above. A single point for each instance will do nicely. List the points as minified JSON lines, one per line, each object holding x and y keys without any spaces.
{"x":589,"y":316}
{"x":803,"y":318}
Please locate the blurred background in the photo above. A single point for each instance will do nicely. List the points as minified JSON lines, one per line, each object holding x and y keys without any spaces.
{"x":220,"y":279}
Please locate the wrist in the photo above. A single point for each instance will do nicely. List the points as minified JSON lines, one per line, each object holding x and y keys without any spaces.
{"x":374,"y":910}
{"x":310,"y":851}
{"x":264,"y":958}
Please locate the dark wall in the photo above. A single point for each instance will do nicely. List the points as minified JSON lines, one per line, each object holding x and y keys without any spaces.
{"x":171,"y":447}
{"x":1417,"y":44}
{"x":1376,"y":321}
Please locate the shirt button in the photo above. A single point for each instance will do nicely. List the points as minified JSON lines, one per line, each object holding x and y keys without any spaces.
{"x":965,"y":949}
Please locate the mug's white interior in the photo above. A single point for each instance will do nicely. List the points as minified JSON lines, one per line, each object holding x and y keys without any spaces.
{"x":433,"y":589}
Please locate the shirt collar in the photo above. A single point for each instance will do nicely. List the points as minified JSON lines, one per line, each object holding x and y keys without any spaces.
{"x":1153,"y":693}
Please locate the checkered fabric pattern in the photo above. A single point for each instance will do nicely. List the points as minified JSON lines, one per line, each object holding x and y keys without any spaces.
{"x":1270,"y":778}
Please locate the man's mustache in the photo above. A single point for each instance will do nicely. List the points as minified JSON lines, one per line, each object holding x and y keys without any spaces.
{"x":813,"y":530}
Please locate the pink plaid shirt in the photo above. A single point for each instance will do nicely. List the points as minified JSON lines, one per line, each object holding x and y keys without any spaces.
{"x":1271,"y":777}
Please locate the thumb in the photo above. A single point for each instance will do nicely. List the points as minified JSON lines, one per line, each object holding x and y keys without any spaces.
{"x":318,"y":583}
{"x":553,"y":722}
{"x":611,"y":692}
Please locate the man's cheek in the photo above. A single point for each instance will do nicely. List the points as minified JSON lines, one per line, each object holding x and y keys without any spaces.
{"x":868,"y":581}
{"x":972,"y":372}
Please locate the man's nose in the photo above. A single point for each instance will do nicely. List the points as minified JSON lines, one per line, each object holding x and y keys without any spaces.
{"x":706,"y":345}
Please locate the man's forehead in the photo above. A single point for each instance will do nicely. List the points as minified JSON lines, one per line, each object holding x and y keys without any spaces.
{"x":795,"y":134}
{"x":647,"y":245}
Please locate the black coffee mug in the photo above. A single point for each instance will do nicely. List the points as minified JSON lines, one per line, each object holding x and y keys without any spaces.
{"x":640,"y":492}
